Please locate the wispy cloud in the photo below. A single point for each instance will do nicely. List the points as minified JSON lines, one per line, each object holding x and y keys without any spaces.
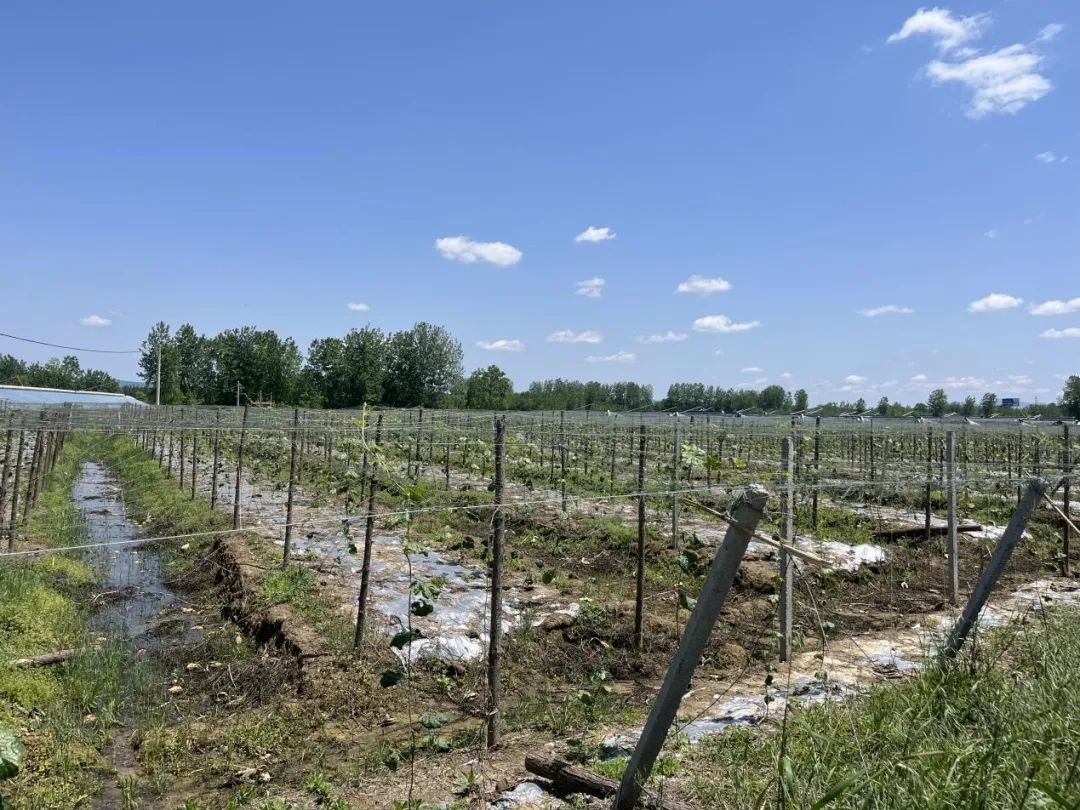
{"x":995,"y":302}
{"x":590,"y":287}
{"x":723,"y":324}
{"x":1051,"y":157}
{"x":618,"y":357}
{"x":1056,"y":307}
{"x":1002,"y":81}
{"x":752,"y":370}
{"x":888,"y":309}
{"x":593,"y":234}
{"x":94,"y":320}
{"x":501,"y":345}
{"x":1058,"y":334}
{"x":356,"y":307}
{"x":700,"y":285}
{"x":1049,"y":32}
{"x":787,"y":375}
{"x":963,"y":383}
{"x":570,"y":336}
{"x":468,"y":251}
{"x":991,"y":234}
{"x":919,"y":378}
{"x":663,"y":337}
{"x":947,"y":32}
{"x":854,"y":379}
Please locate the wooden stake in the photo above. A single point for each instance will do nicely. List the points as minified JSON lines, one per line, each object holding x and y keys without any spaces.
{"x":639,"y":599}
{"x":952,"y":579}
{"x":994,"y":568}
{"x":787,"y":532}
{"x":369,"y":533}
{"x":239,"y":471}
{"x":748,"y":511}
{"x":293,"y":450}
{"x":495,"y":621}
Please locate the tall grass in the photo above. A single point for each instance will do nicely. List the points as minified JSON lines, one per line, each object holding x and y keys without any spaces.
{"x":1000,"y":728}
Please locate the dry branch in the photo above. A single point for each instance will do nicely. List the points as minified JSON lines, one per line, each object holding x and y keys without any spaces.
{"x":568,"y":778}
{"x":45,"y":659}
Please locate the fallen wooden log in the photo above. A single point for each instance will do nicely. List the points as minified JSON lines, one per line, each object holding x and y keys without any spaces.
{"x":44,"y":660}
{"x":916,"y":531}
{"x":569,"y":778}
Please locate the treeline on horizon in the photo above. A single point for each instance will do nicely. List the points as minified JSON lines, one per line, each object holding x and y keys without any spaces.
{"x":424,"y":366}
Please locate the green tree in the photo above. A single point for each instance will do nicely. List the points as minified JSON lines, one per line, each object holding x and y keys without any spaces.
{"x":159,"y":341}
{"x":860,"y":405}
{"x":969,"y":406}
{"x":1070,"y":396}
{"x":883,"y":406}
{"x":802,"y":400}
{"x":195,"y":365}
{"x":266,"y":366}
{"x":488,"y":389}
{"x":988,"y":405}
{"x":425,"y":365}
{"x":771,"y":398}
{"x":938,"y":402}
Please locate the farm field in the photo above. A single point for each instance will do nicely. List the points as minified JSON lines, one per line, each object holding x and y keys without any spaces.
{"x":206,"y":619}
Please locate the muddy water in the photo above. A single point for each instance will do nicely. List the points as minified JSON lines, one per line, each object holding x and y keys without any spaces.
{"x":136,"y":610}
{"x":130,"y":578}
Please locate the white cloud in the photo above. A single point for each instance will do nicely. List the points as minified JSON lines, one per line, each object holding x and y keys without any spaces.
{"x":663,"y":337}
{"x":722,"y":324}
{"x":618,"y":357}
{"x":854,"y":379}
{"x":758,"y":381}
{"x":1046,"y":157}
{"x":703,"y":286}
{"x":995,"y":302}
{"x":787,"y":375}
{"x":1049,"y":32}
{"x":947,"y":31}
{"x":1004,"y":81}
{"x":718,"y":352}
{"x":94,"y":320}
{"x":888,"y":309}
{"x":1020,"y":379}
{"x":1056,"y":307}
{"x":467,"y":251}
{"x":1057,"y":334}
{"x":964,"y":383}
{"x":752,"y":370}
{"x":592,"y":234}
{"x":919,"y":378}
{"x":501,"y":345}
{"x":569,"y":336}
{"x":359,"y":307}
{"x":991,"y":234}
{"x":590,"y":287}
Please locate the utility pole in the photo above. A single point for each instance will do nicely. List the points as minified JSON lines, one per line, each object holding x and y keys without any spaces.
{"x":237,"y":393}
{"x":157,"y":395}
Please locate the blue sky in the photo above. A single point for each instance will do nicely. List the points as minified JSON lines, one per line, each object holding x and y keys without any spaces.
{"x":269,"y":164}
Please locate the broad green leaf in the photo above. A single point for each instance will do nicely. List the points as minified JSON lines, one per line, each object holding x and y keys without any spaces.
{"x":12,"y":752}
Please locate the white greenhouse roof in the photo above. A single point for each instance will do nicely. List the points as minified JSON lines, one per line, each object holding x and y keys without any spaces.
{"x":24,"y":395}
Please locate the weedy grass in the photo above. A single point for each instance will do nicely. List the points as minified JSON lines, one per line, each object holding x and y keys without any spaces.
{"x":63,"y":713}
{"x":996,"y":729}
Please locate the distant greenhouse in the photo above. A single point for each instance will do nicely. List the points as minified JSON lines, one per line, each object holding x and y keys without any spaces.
{"x":24,"y":396}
